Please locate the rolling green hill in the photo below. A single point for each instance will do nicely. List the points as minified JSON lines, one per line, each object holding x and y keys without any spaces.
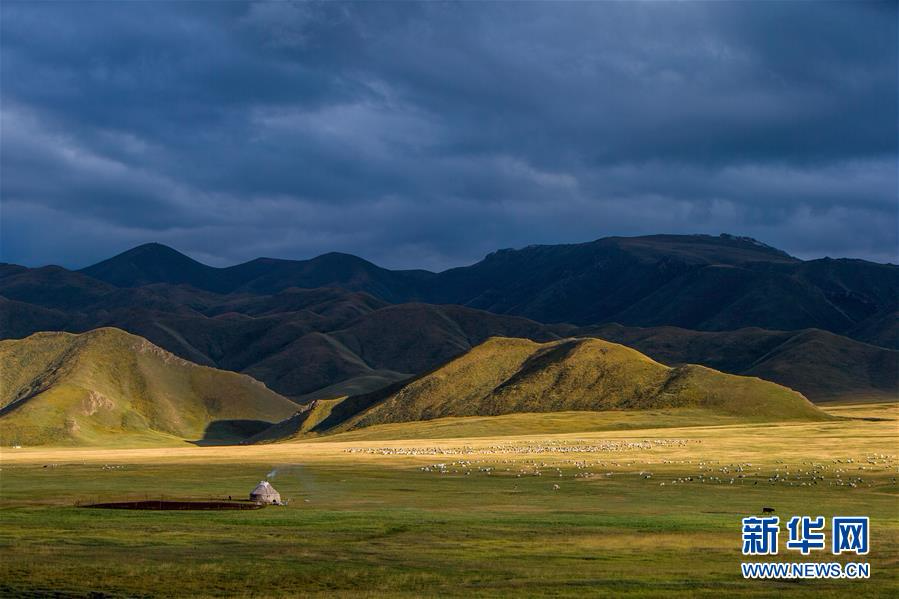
{"x":110,"y":387}
{"x":505,"y":376}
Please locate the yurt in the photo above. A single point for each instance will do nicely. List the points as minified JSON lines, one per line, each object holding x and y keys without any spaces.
{"x":265,"y":493}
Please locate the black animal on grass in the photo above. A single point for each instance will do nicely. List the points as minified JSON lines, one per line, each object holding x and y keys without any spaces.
{"x":767,"y":510}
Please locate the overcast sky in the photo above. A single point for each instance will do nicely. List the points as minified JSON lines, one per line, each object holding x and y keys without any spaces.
{"x":427,"y":135}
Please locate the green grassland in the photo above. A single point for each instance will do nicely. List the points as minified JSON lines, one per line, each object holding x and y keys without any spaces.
{"x":376,"y":517}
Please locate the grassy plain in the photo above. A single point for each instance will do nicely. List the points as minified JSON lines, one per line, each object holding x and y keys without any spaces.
{"x":371,"y":514}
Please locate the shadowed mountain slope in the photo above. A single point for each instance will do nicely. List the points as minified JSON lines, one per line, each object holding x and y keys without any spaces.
{"x":108,"y":386}
{"x":698,"y":282}
{"x":691,"y":281}
{"x":880,"y":330}
{"x":300,"y":342}
{"x":153,"y":263}
{"x":816,"y":363}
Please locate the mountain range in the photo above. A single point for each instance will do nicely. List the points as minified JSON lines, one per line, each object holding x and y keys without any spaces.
{"x":338,"y":325}
{"x":691,"y":281}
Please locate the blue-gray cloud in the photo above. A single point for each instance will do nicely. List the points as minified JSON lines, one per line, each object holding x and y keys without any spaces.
{"x":429,"y":134}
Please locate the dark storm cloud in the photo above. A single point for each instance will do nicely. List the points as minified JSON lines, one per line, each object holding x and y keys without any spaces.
{"x":429,"y":134}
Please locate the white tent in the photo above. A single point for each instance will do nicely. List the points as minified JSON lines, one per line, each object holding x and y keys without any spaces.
{"x":265,"y":493}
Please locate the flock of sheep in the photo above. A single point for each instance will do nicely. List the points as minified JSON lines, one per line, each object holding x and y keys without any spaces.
{"x":840,"y":472}
{"x":528,"y":447}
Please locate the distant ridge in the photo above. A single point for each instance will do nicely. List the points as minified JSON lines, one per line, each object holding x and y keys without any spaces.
{"x":700,"y":282}
{"x":151,"y":263}
{"x":156,"y":263}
